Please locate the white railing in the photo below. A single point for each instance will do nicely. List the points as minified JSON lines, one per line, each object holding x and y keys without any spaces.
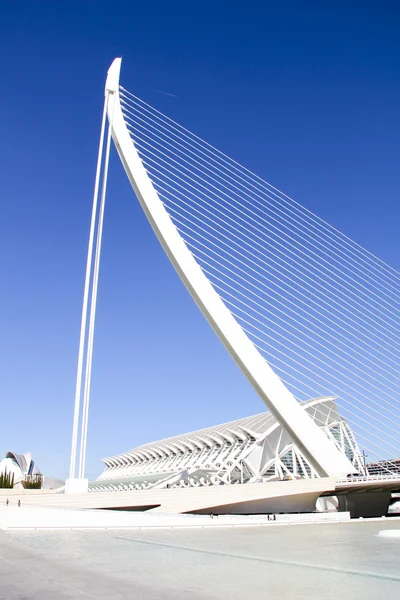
{"x":367,"y":479}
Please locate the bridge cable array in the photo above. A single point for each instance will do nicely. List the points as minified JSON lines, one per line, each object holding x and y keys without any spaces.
{"x":321,"y":309}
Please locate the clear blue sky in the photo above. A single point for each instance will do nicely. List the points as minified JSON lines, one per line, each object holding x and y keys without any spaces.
{"x":306,"y":94}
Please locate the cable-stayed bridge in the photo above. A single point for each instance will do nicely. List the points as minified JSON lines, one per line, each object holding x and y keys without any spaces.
{"x":304,"y":310}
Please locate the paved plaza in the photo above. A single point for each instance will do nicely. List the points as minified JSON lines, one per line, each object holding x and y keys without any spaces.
{"x":301,"y":562}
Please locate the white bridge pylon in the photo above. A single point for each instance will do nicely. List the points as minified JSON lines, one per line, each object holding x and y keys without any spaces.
{"x":319,"y":450}
{"x":156,"y":168}
{"x":77,"y":482}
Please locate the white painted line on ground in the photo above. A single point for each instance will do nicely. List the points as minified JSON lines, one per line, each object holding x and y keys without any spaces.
{"x":389,"y":533}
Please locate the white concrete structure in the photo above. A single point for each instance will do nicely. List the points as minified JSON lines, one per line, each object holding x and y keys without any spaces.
{"x":297,"y":305}
{"x":362,"y":496}
{"x":320,"y":451}
{"x":248,"y":450}
{"x":299,"y":495}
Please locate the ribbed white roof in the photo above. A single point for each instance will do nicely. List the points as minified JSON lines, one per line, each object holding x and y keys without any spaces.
{"x":246,"y":427}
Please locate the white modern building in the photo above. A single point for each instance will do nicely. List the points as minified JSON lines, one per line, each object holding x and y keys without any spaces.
{"x":248,"y":450}
{"x":20,"y":465}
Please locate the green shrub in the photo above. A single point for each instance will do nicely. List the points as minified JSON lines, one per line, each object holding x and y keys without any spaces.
{"x":33,"y":482}
{"x":6,"y":480}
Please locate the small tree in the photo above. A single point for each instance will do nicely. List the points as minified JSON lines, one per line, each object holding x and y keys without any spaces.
{"x":6,"y":480}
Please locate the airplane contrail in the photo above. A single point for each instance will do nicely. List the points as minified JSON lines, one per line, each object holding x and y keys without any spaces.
{"x":165,"y":93}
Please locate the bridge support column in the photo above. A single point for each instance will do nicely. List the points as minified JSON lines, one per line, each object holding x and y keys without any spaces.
{"x":365,"y":504}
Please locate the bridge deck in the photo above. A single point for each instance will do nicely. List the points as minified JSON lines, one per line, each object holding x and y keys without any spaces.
{"x":281,"y":496}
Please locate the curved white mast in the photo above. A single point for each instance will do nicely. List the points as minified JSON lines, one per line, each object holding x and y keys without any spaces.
{"x":320,"y":451}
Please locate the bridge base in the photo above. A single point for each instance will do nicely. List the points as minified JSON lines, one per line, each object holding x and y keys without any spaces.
{"x":365,"y":504}
{"x":76,"y":486}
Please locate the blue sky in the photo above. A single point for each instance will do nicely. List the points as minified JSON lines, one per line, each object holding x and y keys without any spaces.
{"x":306,"y":94}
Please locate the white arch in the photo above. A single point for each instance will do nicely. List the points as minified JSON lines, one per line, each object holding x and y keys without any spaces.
{"x":319,"y":450}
